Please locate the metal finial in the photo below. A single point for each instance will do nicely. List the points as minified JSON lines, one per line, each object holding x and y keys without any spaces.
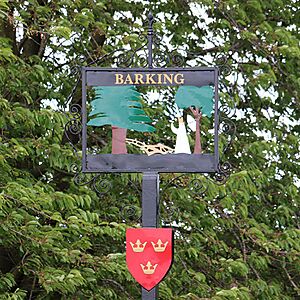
{"x":150,"y":21}
{"x":150,"y":16}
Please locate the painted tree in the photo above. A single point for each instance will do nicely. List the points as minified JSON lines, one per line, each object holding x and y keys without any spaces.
{"x":200,"y":102}
{"x":120,"y":107}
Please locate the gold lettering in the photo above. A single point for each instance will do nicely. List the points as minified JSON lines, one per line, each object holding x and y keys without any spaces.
{"x":168,"y":78}
{"x":138,"y":79}
{"x":128,"y":80}
{"x":181,"y":80}
{"x":159,"y":78}
{"x":149,"y":77}
{"x":119,"y":79}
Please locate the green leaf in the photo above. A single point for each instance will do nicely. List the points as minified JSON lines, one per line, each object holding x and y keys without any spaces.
{"x":62,"y":31}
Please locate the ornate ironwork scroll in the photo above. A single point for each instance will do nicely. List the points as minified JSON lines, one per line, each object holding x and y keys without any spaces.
{"x":73,"y":127}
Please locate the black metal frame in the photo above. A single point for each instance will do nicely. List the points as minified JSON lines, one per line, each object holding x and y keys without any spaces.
{"x":205,"y":163}
{"x":168,"y":163}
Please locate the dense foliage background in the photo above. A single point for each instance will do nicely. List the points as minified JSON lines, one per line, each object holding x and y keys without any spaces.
{"x":58,"y":240}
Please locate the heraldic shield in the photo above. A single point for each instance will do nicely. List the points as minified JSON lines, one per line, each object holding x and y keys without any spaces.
{"x":149,"y":254}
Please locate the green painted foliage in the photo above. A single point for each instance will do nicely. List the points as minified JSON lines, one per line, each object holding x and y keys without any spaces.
{"x":119,"y":106}
{"x":200,"y":97}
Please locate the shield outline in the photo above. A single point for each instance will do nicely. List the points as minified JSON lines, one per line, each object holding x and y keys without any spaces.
{"x":139,"y":276}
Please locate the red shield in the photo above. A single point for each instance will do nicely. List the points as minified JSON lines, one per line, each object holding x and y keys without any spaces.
{"x":149,"y":254}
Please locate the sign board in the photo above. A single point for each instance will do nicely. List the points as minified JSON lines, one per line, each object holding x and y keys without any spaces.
{"x":116,"y":105}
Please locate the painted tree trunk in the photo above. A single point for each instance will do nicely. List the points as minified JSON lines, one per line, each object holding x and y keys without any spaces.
{"x":198,"y":116}
{"x":198,"y":147}
{"x":118,"y":140}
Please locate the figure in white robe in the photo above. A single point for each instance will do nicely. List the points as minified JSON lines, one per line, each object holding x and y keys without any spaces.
{"x":182,"y":141}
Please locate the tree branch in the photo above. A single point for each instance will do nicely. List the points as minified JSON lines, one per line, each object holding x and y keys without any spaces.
{"x":291,"y":280}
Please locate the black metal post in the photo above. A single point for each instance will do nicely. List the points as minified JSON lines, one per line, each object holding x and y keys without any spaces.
{"x":151,"y":295}
{"x":150,"y":204}
{"x":150,"y":188}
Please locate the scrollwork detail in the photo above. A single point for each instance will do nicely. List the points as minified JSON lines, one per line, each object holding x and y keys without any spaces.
{"x":133,"y":57}
{"x":101,"y":185}
{"x":73,"y":127}
{"x":222,"y":61}
{"x":198,"y":186}
{"x":169,"y":213}
{"x":227,"y":127}
{"x":131,"y":213}
{"x":125,"y":59}
{"x":178,"y":60}
{"x":224,"y":171}
{"x":160,"y":59}
{"x":75,"y":110}
{"x":82,"y":179}
{"x":98,"y":183}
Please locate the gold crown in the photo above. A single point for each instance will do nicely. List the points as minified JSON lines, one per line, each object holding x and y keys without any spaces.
{"x":159,"y":246}
{"x":149,"y":268}
{"x":138,"y":246}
